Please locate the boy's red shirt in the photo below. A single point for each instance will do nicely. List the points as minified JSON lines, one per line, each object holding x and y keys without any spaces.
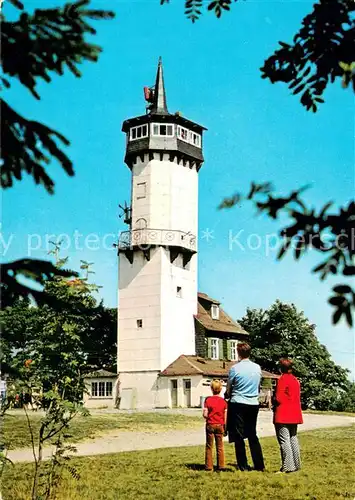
{"x":216,"y":407}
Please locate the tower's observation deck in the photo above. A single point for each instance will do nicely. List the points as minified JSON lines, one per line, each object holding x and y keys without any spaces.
{"x":142,"y":239}
{"x":159,"y":131}
{"x":172,"y":134}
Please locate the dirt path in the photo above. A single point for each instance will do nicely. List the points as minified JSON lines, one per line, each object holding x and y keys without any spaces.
{"x":116,"y":441}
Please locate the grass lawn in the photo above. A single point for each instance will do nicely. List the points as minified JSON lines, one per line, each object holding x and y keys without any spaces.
{"x":15,"y":431}
{"x":338,"y":413}
{"x":176,"y":474}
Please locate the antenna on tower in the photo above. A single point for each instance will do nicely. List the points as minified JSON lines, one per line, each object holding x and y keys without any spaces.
{"x":126,"y":213}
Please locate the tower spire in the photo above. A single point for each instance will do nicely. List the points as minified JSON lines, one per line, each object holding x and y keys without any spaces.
{"x":159,"y":101}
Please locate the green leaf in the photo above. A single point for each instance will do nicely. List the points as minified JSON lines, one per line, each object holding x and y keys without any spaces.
{"x":348,"y":315}
{"x":344,"y":66}
{"x":299,"y":89}
{"x":349,"y":270}
{"x":342,"y":289}
{"x":337,"y":300}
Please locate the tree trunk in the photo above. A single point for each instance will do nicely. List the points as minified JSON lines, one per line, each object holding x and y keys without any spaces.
{"x":38,"y":465}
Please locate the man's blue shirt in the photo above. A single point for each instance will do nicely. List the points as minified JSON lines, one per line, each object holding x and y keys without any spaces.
{"x":244,"y":381}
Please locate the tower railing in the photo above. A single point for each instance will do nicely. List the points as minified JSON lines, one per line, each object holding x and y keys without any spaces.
{"x":147,"y":237}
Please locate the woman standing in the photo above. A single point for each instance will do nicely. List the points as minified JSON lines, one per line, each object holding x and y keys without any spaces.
{"x":287,"y":415}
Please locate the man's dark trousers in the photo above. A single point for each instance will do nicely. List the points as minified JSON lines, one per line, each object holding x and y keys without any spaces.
{"x":244,"y":419}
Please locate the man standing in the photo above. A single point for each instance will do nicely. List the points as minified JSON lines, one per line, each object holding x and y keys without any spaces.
{"x":243,"y":408}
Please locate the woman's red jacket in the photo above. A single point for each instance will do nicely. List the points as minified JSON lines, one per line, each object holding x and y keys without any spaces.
{"x":288,"y":400}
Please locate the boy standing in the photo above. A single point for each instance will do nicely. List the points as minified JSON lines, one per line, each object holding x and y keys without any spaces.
{"x":215,"y":412}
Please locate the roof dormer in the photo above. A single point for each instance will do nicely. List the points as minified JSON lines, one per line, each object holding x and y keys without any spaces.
{"x":215,"y":311}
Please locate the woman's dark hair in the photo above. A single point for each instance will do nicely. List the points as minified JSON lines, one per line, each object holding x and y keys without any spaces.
{"x":286,"y":365}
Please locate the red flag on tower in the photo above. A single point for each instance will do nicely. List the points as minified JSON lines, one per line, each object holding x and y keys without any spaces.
{"x":148,"y":94}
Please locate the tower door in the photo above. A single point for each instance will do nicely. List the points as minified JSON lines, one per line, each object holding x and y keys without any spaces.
{"x":187,"y":393}
{"x":173,"y":393}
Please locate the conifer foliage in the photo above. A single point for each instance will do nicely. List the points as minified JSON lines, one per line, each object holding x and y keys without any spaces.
{"x":34,"y":47}
{"x":321,"y":52}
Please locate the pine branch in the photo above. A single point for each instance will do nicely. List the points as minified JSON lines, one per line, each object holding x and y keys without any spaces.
{"x":28,"y":146}
{"x":48,"y":41}
{"x":17,"y":4}
{"x":36,"y":270}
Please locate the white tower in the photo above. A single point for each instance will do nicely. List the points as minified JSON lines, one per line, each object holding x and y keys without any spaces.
{"x":157,"y":256}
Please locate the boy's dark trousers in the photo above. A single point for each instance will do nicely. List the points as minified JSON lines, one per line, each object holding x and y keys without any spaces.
{"x":214,"y":433}
{"x":245,"y":417}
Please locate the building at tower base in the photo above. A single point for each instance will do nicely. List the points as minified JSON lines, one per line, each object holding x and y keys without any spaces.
{"x":186,"y":381}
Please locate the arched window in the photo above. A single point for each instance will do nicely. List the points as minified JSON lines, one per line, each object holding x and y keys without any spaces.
{"x":141,"y":223}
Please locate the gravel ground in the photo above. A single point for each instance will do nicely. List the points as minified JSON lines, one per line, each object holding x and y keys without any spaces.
{"x":116,"y":441}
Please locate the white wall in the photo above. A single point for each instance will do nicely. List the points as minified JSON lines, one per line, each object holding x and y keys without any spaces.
{"x":148,"y":288}
{"x":171,"y":200}
{"x":177,"y":313}
{"x":148,"y":291}
{"x":164,"y":384}
{"x":164,"y":392}
{"x":139,"y":298}
{"x":138,"y":390}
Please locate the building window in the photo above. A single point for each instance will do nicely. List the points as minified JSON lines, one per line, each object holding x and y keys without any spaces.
{"x":101,"y":389}
{"x":141,"y":190}
{"x":188,"y":136}
{"x":162,"y":129}
{"x":233,"y":350}
{"x":214,"y":349}
{"x":138,"y":132}
{"x":139,"y":323}
{"x":215,"y":311}
{"x":179,"y":292}
{"x":195,"y":139}
{"x":183,"y":134}
{"x":108,"y":389}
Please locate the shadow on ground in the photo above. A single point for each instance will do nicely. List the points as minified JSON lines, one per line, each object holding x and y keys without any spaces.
{"x":199,"y":467}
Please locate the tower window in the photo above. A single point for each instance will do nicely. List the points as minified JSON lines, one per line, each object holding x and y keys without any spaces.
{"x":183,"y":133}
{"x":196,"y":139}
{"x":179,"y":292}
{"x":139,"y":132}
{"x":139,"y":323}
{"x":188,"y":136}
{"x":215,"y":311}
{"x":141,"y":190}
{"x":160,"y":129}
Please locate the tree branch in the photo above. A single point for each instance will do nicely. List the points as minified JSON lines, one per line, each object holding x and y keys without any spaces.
{"x":321,"y":51}
{"x":48,"y":41}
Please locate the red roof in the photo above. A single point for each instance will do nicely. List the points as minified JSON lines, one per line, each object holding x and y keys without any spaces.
{"x":195,"y":365}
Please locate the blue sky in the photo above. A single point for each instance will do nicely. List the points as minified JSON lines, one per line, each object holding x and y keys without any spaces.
{"x":256,"y":132}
